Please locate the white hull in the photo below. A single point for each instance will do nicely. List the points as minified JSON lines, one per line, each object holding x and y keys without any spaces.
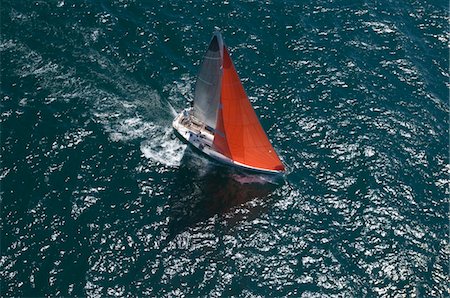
{"x":199,"y":136}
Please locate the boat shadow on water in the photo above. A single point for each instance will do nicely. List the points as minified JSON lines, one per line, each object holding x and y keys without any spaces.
{"x":207,"y":189}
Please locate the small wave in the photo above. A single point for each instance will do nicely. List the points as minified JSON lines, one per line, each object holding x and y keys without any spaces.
{"x":381,"y":28}
{"x":82,"y":205}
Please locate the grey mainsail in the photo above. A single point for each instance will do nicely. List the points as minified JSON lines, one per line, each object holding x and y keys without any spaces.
{"x":207,"y":88}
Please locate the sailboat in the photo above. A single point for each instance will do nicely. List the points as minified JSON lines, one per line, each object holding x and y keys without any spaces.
{"x":222,"y":123}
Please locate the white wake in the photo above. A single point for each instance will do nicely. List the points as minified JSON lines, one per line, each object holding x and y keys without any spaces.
{"x":163,"y":147}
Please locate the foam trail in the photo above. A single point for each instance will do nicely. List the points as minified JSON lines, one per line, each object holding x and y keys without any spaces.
{"x":163,"y":147}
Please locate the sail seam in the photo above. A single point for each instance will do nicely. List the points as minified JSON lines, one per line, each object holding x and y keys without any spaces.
{"x":206,"y":82}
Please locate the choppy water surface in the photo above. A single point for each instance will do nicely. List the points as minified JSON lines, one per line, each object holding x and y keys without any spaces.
{"x":99,"y":198}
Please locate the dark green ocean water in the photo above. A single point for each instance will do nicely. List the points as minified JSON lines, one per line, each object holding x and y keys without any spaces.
{"x":99,"y":198}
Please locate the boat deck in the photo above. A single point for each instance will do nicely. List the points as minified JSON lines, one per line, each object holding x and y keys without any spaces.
{"x":193,"y":130}
{"x":201,"y":137}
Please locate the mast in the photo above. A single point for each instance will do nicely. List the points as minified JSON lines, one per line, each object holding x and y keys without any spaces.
{"x":208,"y":86}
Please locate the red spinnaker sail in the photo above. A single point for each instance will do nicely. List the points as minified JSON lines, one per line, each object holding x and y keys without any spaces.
{"x":239,"y":134}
